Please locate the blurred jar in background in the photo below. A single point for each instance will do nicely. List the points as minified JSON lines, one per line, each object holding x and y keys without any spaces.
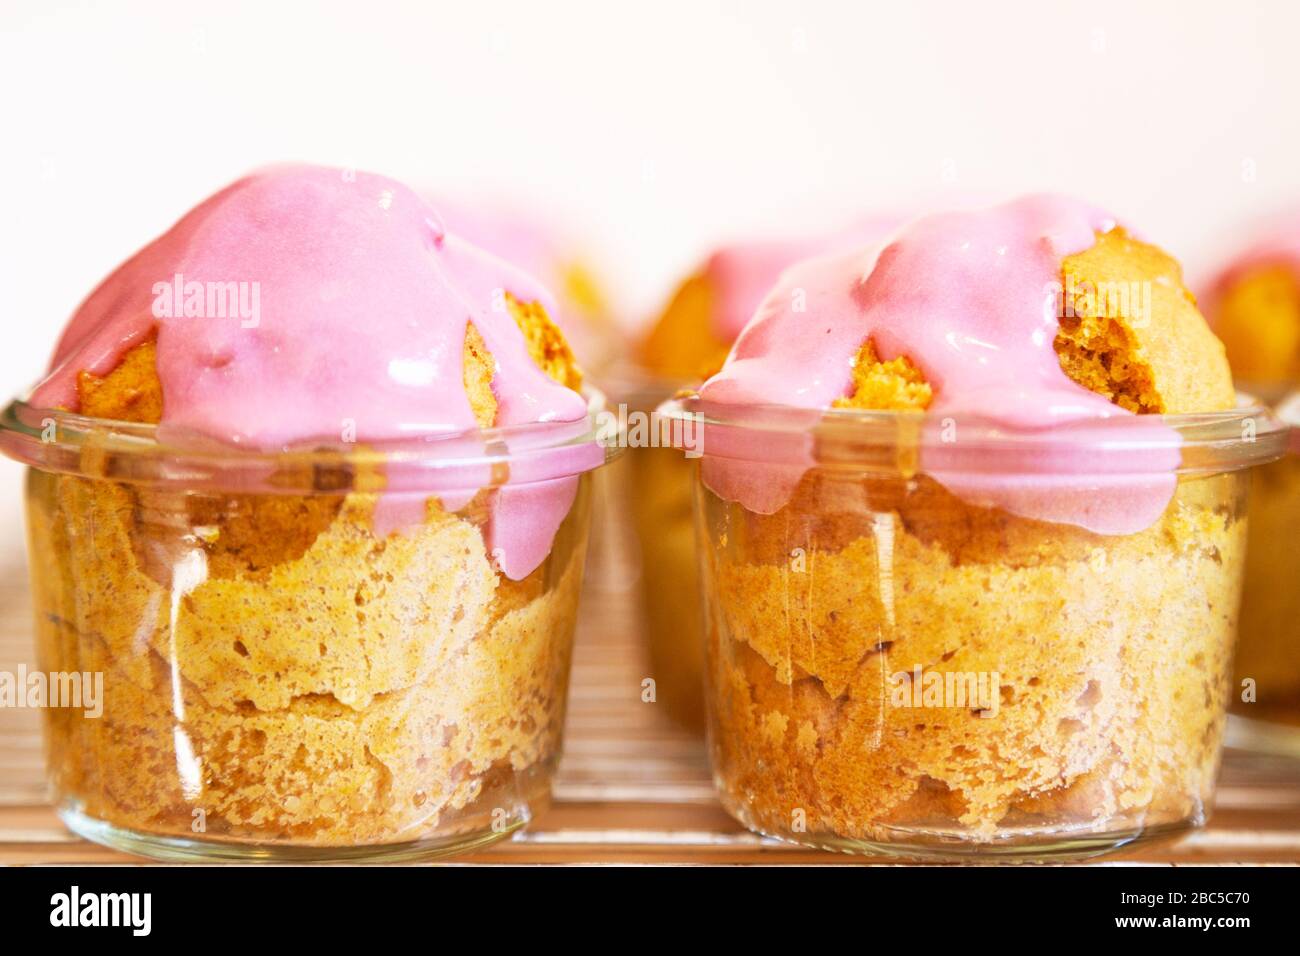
{"x":688,"y":342}
{"x":1253,"y":303}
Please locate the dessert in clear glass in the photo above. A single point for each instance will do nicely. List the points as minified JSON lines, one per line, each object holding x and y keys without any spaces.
{"x":972,"y":530}
{"x":323,"y":548}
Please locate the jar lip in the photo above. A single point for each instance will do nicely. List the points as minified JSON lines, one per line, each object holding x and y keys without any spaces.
{"x":429,"y":460}
{"x":1250,"y":434}
{"x":627,"y":380}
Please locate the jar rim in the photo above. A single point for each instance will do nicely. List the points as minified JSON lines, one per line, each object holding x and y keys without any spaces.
{"x":428,"y":461}
{"x":1207,"y":442}
{"x":1288,"y":409}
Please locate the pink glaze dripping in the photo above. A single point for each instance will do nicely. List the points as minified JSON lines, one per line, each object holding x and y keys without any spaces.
{"x":967,"y":297}
{"x":363,"y":300}
{"x":534,"y":243}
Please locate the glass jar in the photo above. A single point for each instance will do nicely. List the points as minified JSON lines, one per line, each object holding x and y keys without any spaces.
{"x":308,"y":655}
{"x":1266,"y":697}
{"x":897,"y":665}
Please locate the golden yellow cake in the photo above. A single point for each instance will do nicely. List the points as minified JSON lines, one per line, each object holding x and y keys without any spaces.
{"x":1256,"y":312}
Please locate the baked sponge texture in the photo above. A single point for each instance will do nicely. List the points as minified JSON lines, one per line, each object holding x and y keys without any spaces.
{"x":1130,"y":330}
{"x":1149,"y":350}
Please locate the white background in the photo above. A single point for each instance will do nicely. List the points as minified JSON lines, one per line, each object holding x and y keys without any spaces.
{"x":655,"y":128}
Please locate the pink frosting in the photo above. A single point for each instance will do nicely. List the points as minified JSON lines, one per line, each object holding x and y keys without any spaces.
{"x":363,"y":301}
{"x":967,"y":296}
{"x":741,"y":274}
{"x":540,"y":247}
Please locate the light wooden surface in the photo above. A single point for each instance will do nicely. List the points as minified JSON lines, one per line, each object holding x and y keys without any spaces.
{"x":632,"y":787}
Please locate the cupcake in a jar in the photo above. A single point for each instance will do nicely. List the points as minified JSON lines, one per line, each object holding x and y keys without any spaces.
{"x":972,"y":528}
{"x":1253,"y":304}
{"x":308,"y":492}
